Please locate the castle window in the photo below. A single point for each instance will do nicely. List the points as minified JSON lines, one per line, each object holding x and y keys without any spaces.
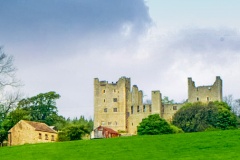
{"x":114,"y":90}
{"x":131,"y":109}
{"x":174,"y":107}
{"x":105,"y":109}
{"x":46,"y":137}
{"x":103,"y":123}
{"x":114,"y":109}
{"x":144,"y":108}
{"x":197,"y":99}
{"x":104,"y":100}
{"x":115,"y":122}
{"x":114,"y":99}
{"x":128,"y":114}
{"x":138,"y":109}
{"x":104,"y":91}
{"x":40,"y":136}
{"x":52,"y":138}
{"x":208,"y":98}
{"x":150,"y":108}
{"x":109,"y":123}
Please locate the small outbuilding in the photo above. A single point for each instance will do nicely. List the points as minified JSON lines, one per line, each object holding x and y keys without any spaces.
{"x":31,"y":132}
{"x":104,"y":132}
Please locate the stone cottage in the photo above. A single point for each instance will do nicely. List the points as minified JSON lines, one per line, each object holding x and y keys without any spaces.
{"x":30,"y":132}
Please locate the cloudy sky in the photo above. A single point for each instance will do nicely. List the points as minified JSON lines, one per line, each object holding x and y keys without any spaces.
{"x":62,"y":45}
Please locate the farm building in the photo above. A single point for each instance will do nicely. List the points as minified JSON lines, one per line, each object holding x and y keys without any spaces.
{"x":31,"y":132}
{"x":104,"y":132}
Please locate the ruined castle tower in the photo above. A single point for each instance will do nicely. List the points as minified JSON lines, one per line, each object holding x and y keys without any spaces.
{"x":110,"y":103}
{"x":205,"y":93}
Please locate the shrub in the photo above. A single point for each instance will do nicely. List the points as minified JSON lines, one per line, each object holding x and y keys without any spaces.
{"x":72,"y":132}
{"x":200,"y":117}
{"x":154,"y":125}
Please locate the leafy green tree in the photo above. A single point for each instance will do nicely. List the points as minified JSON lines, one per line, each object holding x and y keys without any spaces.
{"x":73,"y":132}
{"x":42,"y":107}
{"x":200,"y":117}
{"x":154,"y":125}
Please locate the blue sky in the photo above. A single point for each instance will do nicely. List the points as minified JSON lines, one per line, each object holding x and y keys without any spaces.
{"x":62,"y":45}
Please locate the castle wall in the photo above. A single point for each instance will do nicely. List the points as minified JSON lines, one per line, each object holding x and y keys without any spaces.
{"x":205,"y":93}
{"x":136,"y":117}
{"x":170,"y":109}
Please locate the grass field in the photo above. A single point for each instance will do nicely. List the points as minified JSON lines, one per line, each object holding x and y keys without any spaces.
{"x":204,"y":145}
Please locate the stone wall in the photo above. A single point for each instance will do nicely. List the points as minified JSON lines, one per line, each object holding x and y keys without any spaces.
{"x":170,"y":109}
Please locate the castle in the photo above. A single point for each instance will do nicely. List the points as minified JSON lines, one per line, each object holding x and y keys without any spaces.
{"x":121,"y":108}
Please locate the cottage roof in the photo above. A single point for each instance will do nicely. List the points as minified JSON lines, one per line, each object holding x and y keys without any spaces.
{"x":41,"y":126}
{"x":108,"y":129}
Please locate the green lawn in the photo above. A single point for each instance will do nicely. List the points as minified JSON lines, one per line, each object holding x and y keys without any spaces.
{"x":204,"y":145}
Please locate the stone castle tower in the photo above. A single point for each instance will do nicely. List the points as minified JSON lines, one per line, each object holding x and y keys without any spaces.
{"x":205,"y":93}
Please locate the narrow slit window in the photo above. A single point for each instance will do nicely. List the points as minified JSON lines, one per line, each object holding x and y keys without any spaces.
{"x":138,"y":109}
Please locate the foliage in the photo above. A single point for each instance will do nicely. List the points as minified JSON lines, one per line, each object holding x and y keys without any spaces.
{"x":73,"y":132}
{"x":42,"y":107}
{"x":199,"y":117}
{"x":202,"y":145}
{"x":154,"y":125}
{"x":175,"y":129}
{"x":166,"y":100}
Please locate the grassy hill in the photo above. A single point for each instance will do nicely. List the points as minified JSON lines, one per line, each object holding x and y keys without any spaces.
{"x":204,"y":145}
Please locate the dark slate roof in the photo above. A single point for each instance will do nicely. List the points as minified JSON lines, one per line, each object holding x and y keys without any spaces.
{"x":40,"y":126}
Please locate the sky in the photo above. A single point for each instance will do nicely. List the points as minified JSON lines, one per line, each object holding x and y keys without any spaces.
{"x":62,"y":45}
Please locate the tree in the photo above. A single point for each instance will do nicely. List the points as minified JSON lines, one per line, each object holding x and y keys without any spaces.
{"x":42,"y":107}
{"x":8,"y":84}
{"x":73,"y":132}
{"x":233,"y":103}
{"x":154,"y":125}
{"x":194,"y":117}
{"x":166,"y":100}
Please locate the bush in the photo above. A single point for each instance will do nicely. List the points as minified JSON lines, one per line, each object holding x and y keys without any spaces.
{"x":200,"y":117}
{"x":154,"y":125}
{"x":73,"y":132}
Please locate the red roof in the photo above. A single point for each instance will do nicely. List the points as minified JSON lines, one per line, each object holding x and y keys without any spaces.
{"x":108,"y":129}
